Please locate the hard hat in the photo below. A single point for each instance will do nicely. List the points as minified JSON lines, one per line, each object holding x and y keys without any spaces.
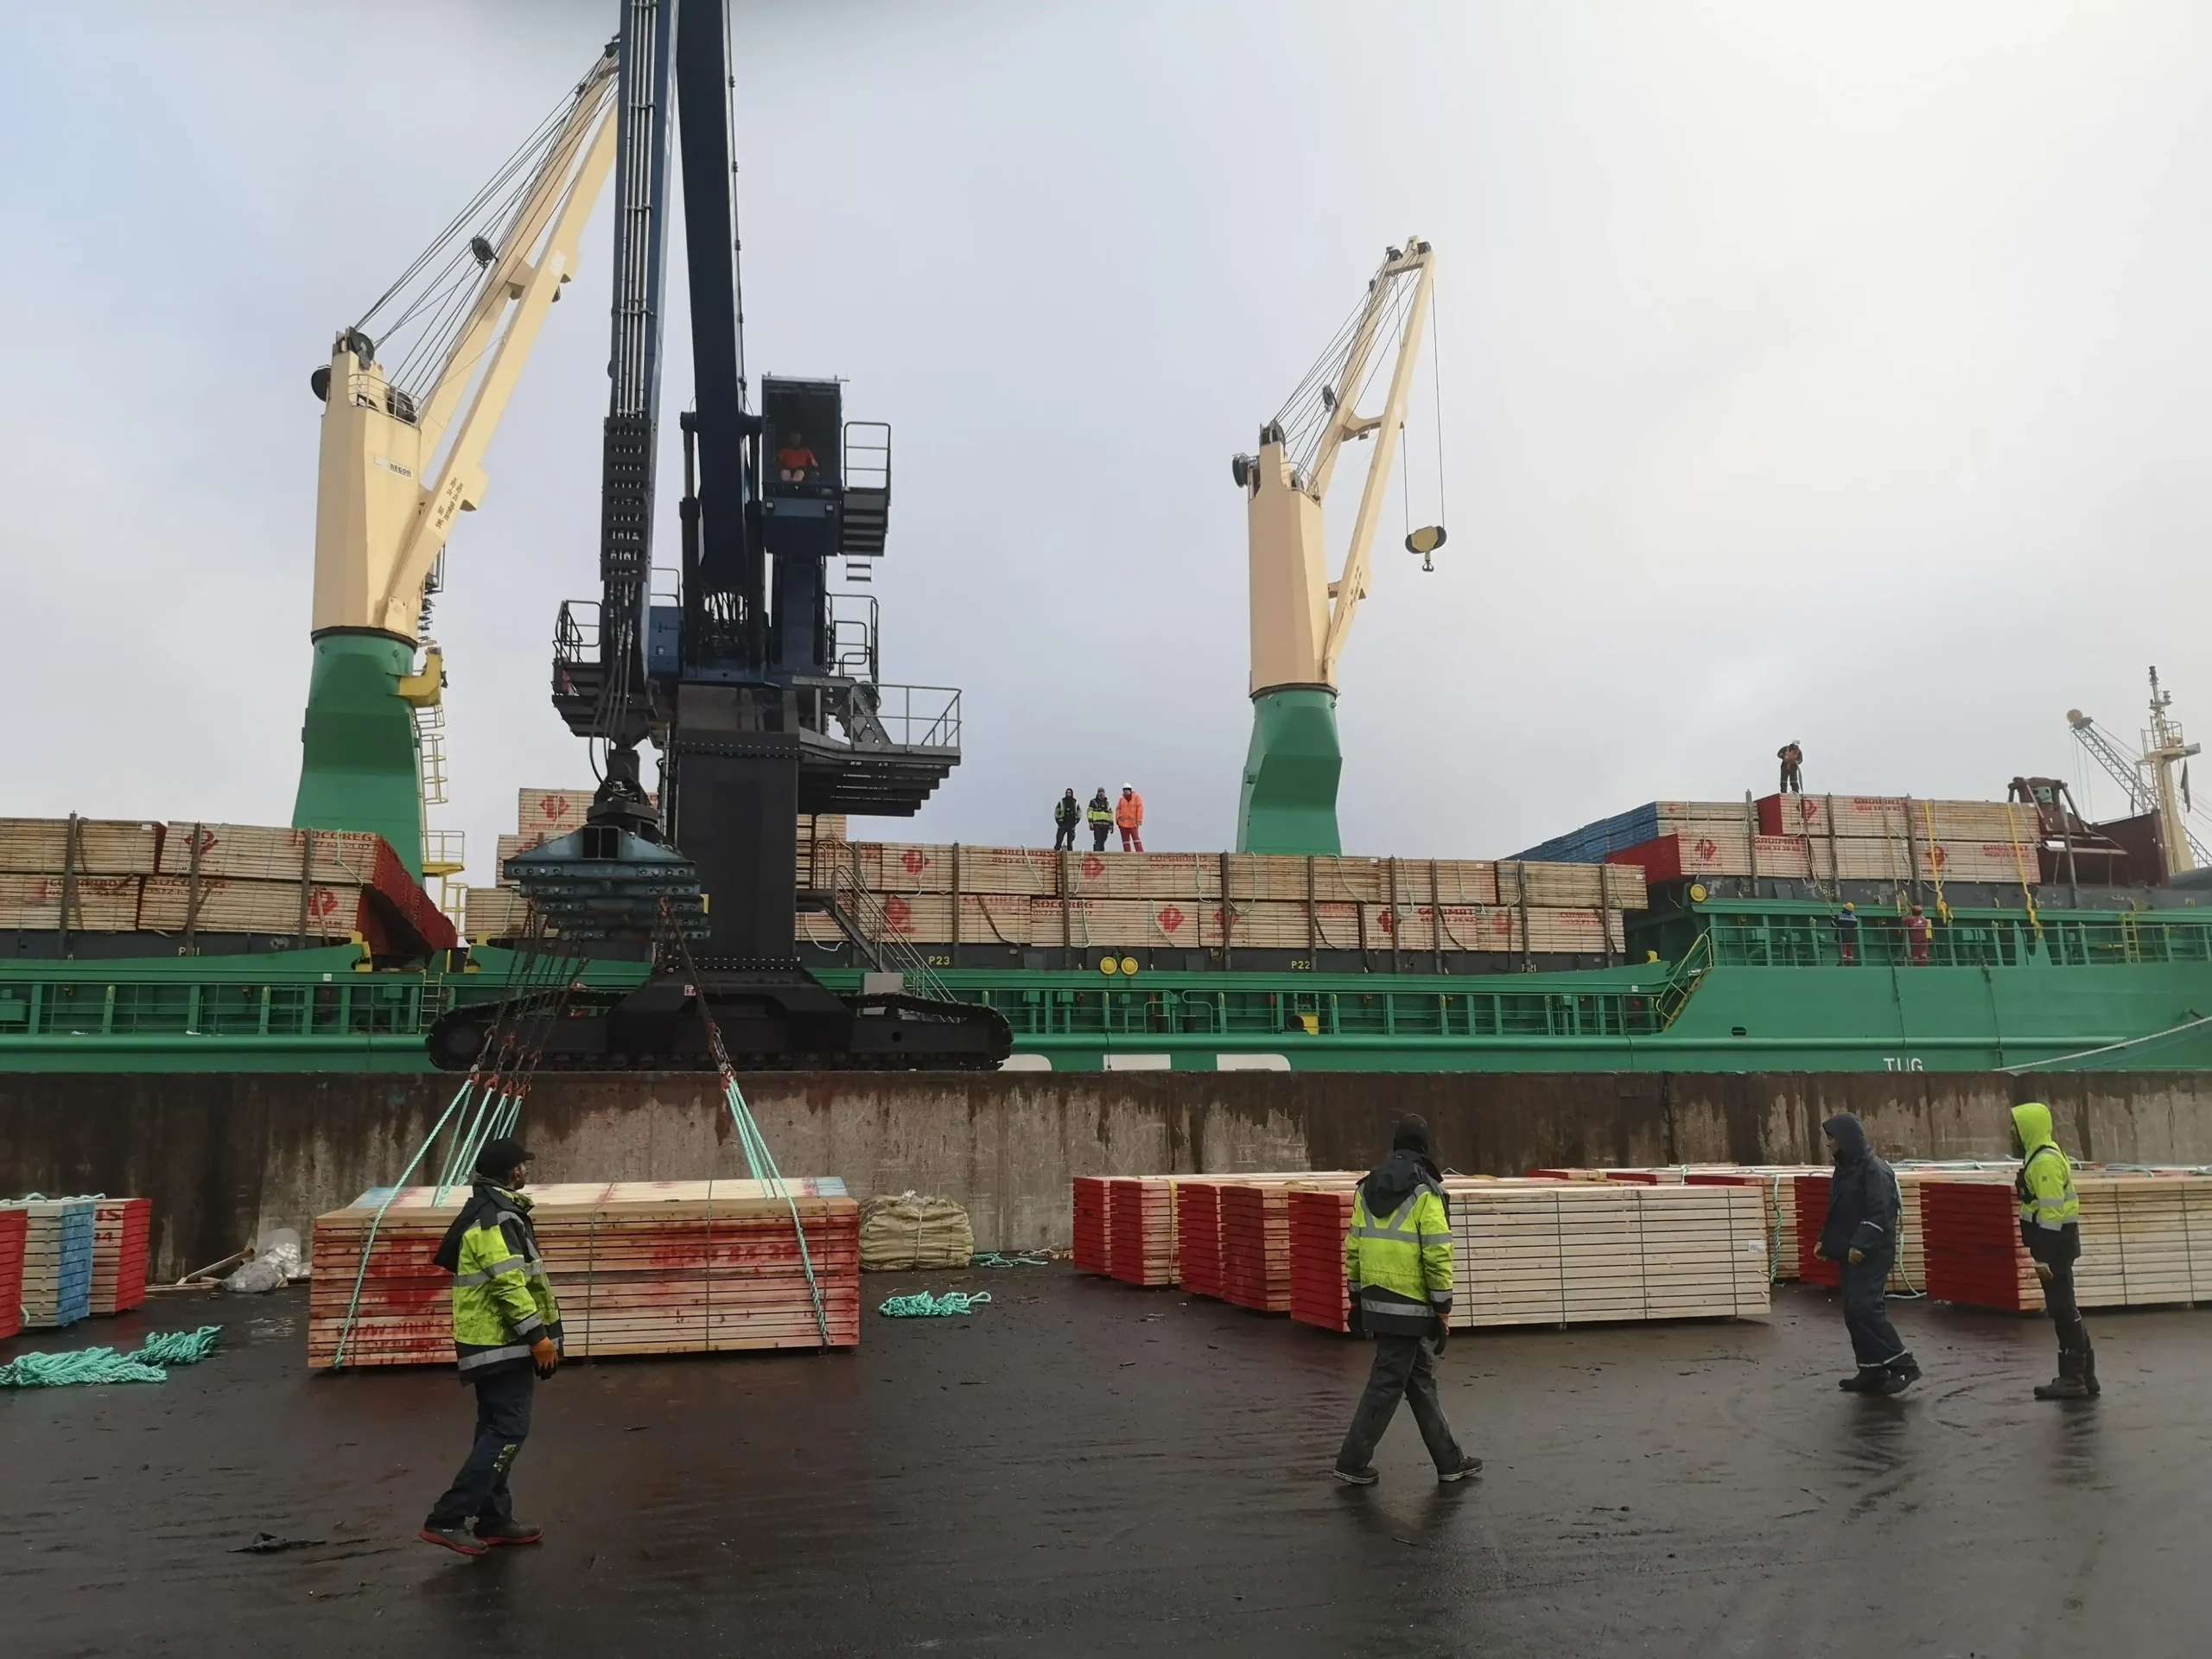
{"x":1851,"y":907}
{"x":1128,"y":786}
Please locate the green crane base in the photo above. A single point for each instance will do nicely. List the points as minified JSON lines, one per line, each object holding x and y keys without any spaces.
{"x":1288,"y":803}
{"x":360,"y":765}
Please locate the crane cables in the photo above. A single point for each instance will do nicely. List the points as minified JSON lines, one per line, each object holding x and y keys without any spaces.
{"x":489,"y":1102}
{"x":1307,"y":413}
{"x":430,"y":301}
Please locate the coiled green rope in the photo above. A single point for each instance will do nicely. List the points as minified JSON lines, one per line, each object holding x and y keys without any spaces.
{"x":923,"y":1306}
{"x":1023,"y":1259}
{"x":105,"y":1365}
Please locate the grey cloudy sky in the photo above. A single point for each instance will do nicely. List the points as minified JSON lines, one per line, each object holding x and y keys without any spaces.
{"x":1815,"y":371}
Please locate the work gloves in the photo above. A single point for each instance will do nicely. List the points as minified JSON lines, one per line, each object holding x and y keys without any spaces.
{"x":546,"y":1355}
{"x":2044,"y":1272}
{"x":1857,"y":1256}
{"x":1356,"y":1321}
{"x":1436,"y":1343}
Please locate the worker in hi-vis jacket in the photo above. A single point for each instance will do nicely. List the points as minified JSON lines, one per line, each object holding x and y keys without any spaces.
{"x":506,"y":1333}
{"x":1398,"y":1277}
{"x":2050,"y":1228}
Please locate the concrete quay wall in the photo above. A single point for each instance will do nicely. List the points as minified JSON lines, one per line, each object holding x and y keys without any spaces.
{"x":226,"y":1157}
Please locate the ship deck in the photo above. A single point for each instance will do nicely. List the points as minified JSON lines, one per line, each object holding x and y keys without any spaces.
{"x":1082,"y":1467}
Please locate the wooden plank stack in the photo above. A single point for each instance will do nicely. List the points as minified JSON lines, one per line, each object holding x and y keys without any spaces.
{"x":1777,"y":1189}
{"x":1198,"y":1236}
{"x":189,"y":878}
{"x":1093,"y":1226}
{"x":1575,"y":1252}
{"x":1255,"y":1246}
{"x":1142,"y":1211}
{"x":642,"y":1267}
{"x":1974,"y":1257}
{"x":1319,"y":1217}
{"x":57,"y":1271}
{"x":15,"y":1225}
{"x":1908,"y":1267}
{"x":121,"y":1229}
{"x":2146,"y":1242}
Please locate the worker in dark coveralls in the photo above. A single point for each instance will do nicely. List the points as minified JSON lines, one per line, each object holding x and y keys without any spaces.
{"x":1860,"y":1235}
{"x":1398,"y":1274}
{"x":506,"y":1333}
{"x":2050,"y":1228}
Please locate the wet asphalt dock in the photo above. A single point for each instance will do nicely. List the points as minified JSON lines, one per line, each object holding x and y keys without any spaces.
{"x":1085,"y":1468}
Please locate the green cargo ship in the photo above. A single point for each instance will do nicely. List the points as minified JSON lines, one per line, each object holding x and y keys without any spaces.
{"x":1727,"y":984}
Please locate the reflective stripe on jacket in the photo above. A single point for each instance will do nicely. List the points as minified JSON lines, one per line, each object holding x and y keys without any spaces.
{"x":1101,"y":813}
{"x":502,"y":1300}
{"x":2045,"y":1185}
{"x":1398,"y":1267}
{"x":1066,"y":811}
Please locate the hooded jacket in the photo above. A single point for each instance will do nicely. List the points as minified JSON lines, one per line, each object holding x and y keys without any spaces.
{"x":1863,"y":1198}
{"x":2051,"y":1211}
{"x":502,"y":1300}
{"x":1398,"y":1253}
{"x":1066,"y":811}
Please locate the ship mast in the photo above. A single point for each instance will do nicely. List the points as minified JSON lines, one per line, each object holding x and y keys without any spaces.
{"x":2164,"y":748}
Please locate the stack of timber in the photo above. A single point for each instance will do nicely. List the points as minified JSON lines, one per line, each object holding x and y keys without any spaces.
{"x":15,"y":1226}
{"x":121,"y":1232}
{"x":1319,"y":1217}
{"x":1094,"y":1233}
{"x":1198,"y":1236}
{"x":1255,"y":1246}
{"x":1823,"y":838}
{"x":1018,"y":897}
{"x":1022,"y":896}
{"x":1143,"y":1228}
{"x":1573,"y":1252}
{"x":183,"y":880}
{"x":639,"y":1268}
{"x":1203,"y":1223}
{"x":1777,"y":1190}
{"x":1974,"y":1257}
{"x":1830,"y":838}
{"x":57,"y":1266}
{"x":2146,"y":1240}
{"x":1908,"y":1267}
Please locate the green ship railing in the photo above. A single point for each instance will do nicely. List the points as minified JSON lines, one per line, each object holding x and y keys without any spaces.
{"x":2054,"y":939}
{"x":1397,"y":1012}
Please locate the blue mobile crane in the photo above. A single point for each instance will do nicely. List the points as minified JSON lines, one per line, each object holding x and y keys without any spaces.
{"x":757,"y":690}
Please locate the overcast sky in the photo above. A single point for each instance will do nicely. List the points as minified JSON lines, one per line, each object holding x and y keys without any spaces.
{"x":1828,"y":372}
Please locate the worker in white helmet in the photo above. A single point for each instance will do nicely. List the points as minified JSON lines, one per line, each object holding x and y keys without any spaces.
{"x":1129,"y":818}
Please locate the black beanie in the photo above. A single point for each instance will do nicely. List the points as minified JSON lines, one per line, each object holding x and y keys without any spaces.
{"x":501,"y":1157}
{"x":1410,"y":1135}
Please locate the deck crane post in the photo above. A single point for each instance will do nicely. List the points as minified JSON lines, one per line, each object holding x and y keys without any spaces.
{"x":1301,"y":618}
{"x":466,"y":316}
{"x":2149,"y":780}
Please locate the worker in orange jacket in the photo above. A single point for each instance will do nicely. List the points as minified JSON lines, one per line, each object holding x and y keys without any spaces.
{"x":1129,"y":818}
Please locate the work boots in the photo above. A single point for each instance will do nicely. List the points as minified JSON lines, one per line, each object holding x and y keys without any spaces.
{"x":1866,"y":1380}
{"x":2089,"y":1366}
{"x":2070,"y":1383}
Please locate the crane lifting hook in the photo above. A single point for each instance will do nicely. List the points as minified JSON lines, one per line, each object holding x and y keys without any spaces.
{"x":1424,"y":541}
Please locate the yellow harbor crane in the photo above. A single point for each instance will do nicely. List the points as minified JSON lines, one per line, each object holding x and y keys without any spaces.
{"x":407,"y":419}
{"x":1299,"y":617}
